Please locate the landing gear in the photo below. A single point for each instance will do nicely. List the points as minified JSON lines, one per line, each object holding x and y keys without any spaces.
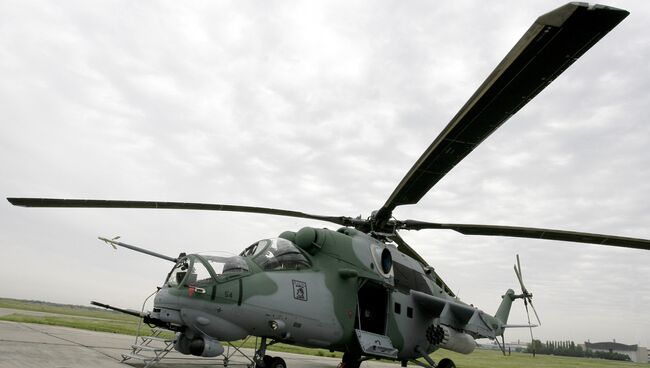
{"x":266,"y":361}
{"x":350,"y":361}
{"x":272,"y":362}
{"x":446,"y":363}
{"x":276,"y":362}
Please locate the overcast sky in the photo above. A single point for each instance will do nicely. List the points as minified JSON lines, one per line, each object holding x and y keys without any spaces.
{"x":321,"y":108}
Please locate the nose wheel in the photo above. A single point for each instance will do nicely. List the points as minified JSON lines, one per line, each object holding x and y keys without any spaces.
{"x":266,"y":361}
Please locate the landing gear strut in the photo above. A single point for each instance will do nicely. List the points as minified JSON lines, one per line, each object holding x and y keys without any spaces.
{"x":350,"y":361}
{"x":444,"y":363}
{"x":266,"y":361}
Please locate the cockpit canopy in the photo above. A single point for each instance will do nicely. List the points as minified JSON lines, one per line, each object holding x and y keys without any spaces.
{"x":269,"y":254}
{"x":276,"y":254}
{"x":204,"y":269}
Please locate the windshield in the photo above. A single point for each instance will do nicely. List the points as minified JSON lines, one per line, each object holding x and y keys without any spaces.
{"x":178,"y":273}
{"x":203,"y":268}
{"x":221,"y":265}
{"x":277,"y":254}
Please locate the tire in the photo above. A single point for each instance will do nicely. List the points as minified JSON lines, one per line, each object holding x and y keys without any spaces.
{"x":350,"y":361}
{"x":277,"y":362}
{"x":267,"y":362}
{"x":446,"y":363}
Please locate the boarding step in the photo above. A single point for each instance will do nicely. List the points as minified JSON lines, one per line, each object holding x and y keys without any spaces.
{"x":157,"y":338}
{"x":136,"y":356}
{"x":150,"y":349}
{"x":147,"y":347}
{"x":375,"y":344}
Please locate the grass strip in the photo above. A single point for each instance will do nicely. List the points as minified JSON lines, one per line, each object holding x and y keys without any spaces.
{"x":72,"y":310}
{"x":101,"y":325}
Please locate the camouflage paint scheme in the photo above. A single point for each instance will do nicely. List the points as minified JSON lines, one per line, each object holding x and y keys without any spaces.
{"x":320,"y":305}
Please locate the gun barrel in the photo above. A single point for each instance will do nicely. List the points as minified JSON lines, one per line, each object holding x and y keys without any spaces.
{"x":126,"y":311}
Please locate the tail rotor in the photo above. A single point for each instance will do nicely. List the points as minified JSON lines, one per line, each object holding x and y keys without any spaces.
{"x":528,"y":299}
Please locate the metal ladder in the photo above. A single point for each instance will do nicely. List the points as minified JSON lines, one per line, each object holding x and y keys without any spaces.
{"x":150,"y":349}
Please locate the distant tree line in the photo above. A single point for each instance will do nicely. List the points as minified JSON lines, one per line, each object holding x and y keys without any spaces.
{"x":570,"y":348}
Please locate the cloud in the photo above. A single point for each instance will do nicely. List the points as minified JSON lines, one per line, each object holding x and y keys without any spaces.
{"x":322,"y":108}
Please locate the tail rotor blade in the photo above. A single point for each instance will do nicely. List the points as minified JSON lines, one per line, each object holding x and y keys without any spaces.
{"x":520,"y":277}
{"x":534,"y":311}
{"x":532,"y":339}
{"x":527,"y":296}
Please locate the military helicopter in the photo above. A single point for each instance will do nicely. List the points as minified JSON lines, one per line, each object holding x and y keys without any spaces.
{"x":361,"y":289}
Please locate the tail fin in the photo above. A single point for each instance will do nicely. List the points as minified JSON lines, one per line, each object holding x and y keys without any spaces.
{"x":504,"y":308}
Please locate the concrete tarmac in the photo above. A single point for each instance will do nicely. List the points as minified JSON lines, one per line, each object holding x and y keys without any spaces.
{"x":25,"y":345}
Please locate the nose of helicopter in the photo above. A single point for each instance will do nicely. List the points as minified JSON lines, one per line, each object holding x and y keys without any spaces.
{"x":167,"y":307}
{"x":210,"y":318}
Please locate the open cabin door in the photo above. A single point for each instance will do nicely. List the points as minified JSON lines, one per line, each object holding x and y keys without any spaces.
{"x":372,"y":315}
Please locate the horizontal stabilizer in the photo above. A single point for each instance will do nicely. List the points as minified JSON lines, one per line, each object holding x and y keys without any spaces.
{"x":519,"y":326}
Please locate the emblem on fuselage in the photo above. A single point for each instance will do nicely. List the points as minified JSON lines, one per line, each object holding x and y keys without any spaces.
{"x":299,"y":290}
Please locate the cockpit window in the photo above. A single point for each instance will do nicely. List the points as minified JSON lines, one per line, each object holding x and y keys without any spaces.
{"x":178,"y":273}
{"x":199,"y":275}
{"x":203,"y":268}
{"x":222,"y":265}
{"x":256,"y":248}
{"x":277,"y":254}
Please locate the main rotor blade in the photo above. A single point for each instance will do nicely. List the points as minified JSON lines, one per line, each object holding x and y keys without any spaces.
{"x":549,"y":47}
{"x":532,"y":233}
{"x":95,"y":203}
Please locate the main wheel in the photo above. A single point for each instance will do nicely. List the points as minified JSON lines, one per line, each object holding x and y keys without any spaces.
{"x":267,"y":359}
{"x":446,"y":363}
{"x":277,"y":362}
{"x":350,"y":361}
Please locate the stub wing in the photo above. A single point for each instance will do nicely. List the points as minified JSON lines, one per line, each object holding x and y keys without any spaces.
{"x":457,"y":315}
